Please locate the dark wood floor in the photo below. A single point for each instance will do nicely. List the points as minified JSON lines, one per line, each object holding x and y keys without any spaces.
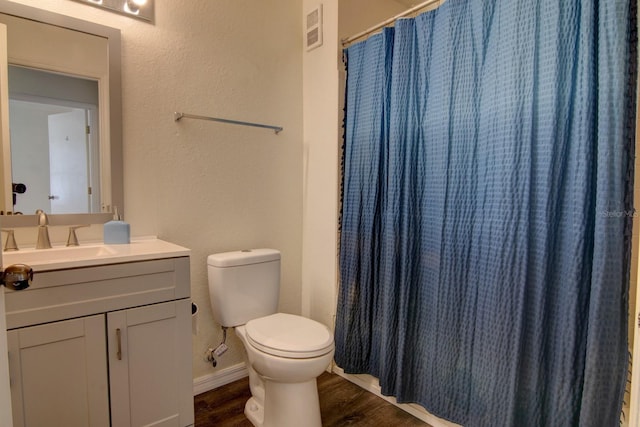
{"x":341,"y":404}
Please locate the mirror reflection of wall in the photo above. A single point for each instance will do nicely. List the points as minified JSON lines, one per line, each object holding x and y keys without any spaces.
{"x":54,"y":142}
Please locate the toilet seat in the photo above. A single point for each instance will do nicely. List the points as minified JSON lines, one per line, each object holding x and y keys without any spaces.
{"x":290,"y":336}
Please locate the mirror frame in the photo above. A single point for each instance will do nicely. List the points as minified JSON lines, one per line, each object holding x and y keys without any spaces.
{"x":115,"y":112}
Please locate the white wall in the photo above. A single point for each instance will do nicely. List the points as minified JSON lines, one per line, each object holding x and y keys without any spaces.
{"x":358,"y":15}
{"x":320,"y":159}
{"x":323,"y":100}
{"x":207,"y":186}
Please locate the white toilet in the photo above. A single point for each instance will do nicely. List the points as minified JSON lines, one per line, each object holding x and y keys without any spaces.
{"x":286,"y":353}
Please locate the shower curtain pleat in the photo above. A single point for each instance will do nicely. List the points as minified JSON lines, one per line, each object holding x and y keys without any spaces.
{"x":486,"y":211}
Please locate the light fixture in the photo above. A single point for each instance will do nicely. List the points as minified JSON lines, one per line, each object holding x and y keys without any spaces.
{"x":141,"y":9}
{"x":131,"y":8}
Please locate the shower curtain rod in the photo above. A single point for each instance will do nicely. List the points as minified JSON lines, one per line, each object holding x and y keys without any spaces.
{"x":349,"y":40}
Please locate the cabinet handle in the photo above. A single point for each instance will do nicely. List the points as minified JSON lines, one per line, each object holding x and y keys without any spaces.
{"x":119,"y":337}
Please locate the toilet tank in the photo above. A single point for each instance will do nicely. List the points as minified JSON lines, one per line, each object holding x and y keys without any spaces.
{"x":243,"y":285}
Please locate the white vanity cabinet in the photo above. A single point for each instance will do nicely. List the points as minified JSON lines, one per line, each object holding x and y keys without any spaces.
{"x":150,"y":380}
{"x":103,"y":345}
{"x":58,"y":374}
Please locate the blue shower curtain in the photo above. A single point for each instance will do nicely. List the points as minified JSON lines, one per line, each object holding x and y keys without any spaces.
{"x":486,"y":214}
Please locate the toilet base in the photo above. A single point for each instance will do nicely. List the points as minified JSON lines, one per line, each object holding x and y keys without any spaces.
{"x":288,"y":404}
{"x":254,"y":412}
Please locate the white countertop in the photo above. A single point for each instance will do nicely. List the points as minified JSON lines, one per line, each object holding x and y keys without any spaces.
{"x":91,"y":254}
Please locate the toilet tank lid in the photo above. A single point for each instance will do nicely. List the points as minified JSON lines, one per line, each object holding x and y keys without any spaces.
{"x":243,"y":257}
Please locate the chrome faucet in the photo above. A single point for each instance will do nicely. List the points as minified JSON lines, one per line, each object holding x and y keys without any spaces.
{"x":72,"y":240}
{"x":10,"y":243}
{"x":43,"y":231}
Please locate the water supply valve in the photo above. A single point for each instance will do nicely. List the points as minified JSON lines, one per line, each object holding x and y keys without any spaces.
{"x":212,"y":353}
{"x":219,"y":351}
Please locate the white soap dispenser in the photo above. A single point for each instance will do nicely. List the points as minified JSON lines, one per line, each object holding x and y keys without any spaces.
{"x":116,"y":231}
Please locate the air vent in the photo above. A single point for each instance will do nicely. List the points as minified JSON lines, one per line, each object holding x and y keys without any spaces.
{"x":314,"y":28}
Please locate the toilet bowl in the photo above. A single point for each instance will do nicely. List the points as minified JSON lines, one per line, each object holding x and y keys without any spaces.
{"x":286,"y":368}
{"x":285,"y":353}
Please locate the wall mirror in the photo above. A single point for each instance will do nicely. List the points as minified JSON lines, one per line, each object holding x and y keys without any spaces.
{"x":65,"y":119}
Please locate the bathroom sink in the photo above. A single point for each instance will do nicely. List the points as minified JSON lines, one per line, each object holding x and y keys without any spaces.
{"x":56,"y":254}
{"x":60,"y":257}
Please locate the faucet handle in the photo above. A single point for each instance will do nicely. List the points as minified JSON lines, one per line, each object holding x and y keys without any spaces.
{"x":10,"y":244}
{"x":72,"y":240}
{"x":42,"y":218}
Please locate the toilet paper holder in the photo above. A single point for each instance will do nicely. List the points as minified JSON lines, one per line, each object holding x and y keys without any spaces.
{"x":194,"y":318}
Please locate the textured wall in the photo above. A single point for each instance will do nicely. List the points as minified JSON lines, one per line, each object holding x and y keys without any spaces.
{"x":207,"y":186}
{"x":323,"y":100}
{"x":321,"y":141}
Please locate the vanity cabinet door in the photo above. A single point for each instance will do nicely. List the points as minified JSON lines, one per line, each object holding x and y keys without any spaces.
{"x":58,"y":374}
{"x":150,"y":365}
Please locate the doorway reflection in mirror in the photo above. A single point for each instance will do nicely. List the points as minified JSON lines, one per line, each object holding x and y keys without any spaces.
{"x":55,"y":154}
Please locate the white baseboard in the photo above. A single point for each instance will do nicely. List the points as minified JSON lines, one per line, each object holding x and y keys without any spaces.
{"x":220,"y":378}
{"x":371,"y":384}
